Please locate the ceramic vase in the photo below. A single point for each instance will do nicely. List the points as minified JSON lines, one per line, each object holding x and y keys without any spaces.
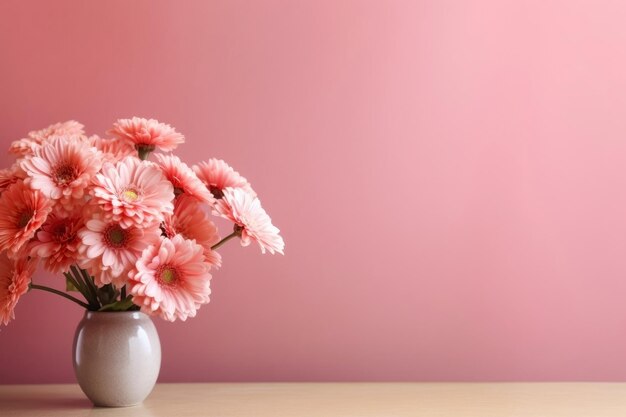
{"x":117,"y":357}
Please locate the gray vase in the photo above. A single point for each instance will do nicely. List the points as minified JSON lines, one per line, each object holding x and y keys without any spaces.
{"x":117,"y":357}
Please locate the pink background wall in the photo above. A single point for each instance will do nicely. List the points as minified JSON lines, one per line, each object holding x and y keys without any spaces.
{"x":449,"y":176}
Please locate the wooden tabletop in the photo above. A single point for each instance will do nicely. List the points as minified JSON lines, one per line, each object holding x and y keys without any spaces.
{"x":332,"y":399}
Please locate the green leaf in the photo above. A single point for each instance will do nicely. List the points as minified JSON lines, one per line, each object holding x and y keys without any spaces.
{"x":69,"y":286}
{"x":107,"y":294}
{"x":122,"y":305}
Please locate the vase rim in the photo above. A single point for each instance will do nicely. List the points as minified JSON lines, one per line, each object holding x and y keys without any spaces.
{"x":114,"y":314}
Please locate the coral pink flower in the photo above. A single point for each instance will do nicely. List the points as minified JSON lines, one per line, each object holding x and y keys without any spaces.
{"x":251,"y":220}
{"x":171,"y":279}
{"x":147,"y":134}
{"x":10,"y":176}
{"x":217,"y":175}
{"x":133,"y":192}
{"x":62,"y":168}
{"x":113,"y":150}
{"x":183,"y":178}
{"x":15,"y":275}
{"x":110,"y":251}
{"x":22,"y":212}
{"x":27,"y":145}
{"x":57,"y":241}
{"x":192,"y":222}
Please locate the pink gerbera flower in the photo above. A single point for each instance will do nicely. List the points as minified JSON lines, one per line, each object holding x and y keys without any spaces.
{"x":57,"y":241}
{"x":36,"y":138}
{"x":251,"y":220}
{"x":69,"y":128}
{"x":133,"y":192}
{"x":217,"y":175}
{"x":25,"y":146}
{"x":171,"y":279}
{"x":15,"y":275}
{"x":147,"y":134}
{"x":22,"y":212}
{"x":183,"y":178}
{"x":192,"y":222}
{"x":62,"y":168}
{"x":113,"y":150}
{"x":109,"y":251}
{"x":10,"y":176}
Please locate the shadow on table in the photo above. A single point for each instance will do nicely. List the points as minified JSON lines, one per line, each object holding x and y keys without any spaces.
{"x":28,"y":402}
{"x":48,"y":402}
{"x":54,"y":405}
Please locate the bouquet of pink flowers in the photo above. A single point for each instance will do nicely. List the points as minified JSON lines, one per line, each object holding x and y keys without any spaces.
{"x":127,"y":233}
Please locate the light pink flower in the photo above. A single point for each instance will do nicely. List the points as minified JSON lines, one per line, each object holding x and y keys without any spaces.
{"x":217,"y":175}
{"x":36,"y":138}
{"x":57,"y":241}
{"x":15,"y":275}
{"x":25,"y":146}
{"x":250,"y":219}
{"x":147,"y":134}
{"x":113,"y":150}
{"x":62,"y":168}
{"x":22,"y":212}
{"x":110,"y":251}
{"x":171,"y":279}
{"x":183,"y":178}
{"x":133,"y":192}
{"x":192,"y":222}
{"x":71,"y":128}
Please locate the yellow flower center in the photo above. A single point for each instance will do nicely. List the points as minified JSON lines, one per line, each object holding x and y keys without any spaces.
{"x":130,"y":195}
{"x":168,"y":275}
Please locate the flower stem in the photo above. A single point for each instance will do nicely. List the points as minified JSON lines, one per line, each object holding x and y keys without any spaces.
{"x":226,"y":239}
{"x":89,"y":294}
{"x":143,"y":151}
{"x":78,"y":272}
{"x":57,"y":292}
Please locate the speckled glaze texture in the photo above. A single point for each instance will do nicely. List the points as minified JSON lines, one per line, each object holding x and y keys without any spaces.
{"x":117,"y":357}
